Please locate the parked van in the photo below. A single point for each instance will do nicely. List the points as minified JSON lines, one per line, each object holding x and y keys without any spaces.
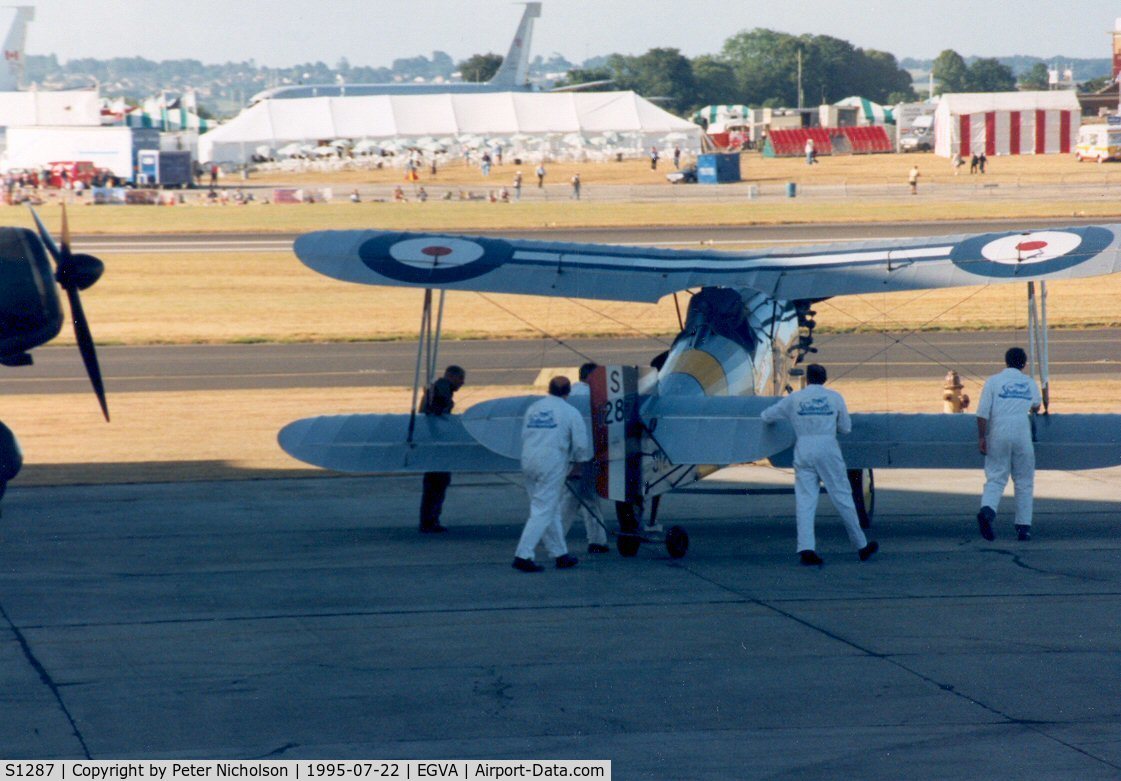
{"x":919,"y":137}
{"x":1098,"y":142}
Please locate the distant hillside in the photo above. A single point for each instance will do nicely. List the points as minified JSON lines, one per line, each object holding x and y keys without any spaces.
{"x":224,"y":89}
{"x":1084,"y":70}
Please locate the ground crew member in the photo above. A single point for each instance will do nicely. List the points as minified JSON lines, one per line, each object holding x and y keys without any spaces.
{"x":580,"y":497}
{"x":438,"y":401}
{"x":817,"y":414}
{"x":1004,"y":438}
{"x":553,"y":438}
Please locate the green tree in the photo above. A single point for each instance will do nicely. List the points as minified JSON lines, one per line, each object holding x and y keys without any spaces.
{"x":659,"y":73}
{"x":1035,"y":77}
{"x":480,"y":67}
{"x":1095,"y":85}
{"x":951,"y":72}
{"x":882,"y":80}
{"x":586,"y":76}
{"x":765,"y":66}
{"x":715,"y":82}
{"x":988,"y":74}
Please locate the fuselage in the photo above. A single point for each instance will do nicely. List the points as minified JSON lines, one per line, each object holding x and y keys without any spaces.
{"x":733,"y":343}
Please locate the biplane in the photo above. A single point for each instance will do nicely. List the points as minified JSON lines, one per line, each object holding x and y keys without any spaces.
{"x":31,"y":312}
{"x":748,"y":326}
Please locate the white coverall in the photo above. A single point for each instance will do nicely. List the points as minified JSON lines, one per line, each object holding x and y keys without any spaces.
{"x":817,"y":414}
{"x":580,"y":497}
{"x":553,"y":436}
{"x":1006,"y":400}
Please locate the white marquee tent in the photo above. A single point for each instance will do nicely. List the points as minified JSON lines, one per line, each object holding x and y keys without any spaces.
{"x":1006,"y":123}
{"x":568,"y":115}
{"x":46,"y":107}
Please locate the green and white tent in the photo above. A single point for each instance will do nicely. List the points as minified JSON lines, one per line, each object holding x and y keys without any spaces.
{"x":711,"y":114}
{"x":870,"y":113}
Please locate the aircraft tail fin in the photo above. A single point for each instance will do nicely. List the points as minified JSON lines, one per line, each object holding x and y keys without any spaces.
{"x":12,"y":72}
{"x":514,"y":71}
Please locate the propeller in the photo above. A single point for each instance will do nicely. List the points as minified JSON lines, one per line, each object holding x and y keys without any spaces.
{"x":74,"y":272}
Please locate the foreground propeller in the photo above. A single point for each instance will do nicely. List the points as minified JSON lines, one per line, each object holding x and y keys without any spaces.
{"x":76,"y":272}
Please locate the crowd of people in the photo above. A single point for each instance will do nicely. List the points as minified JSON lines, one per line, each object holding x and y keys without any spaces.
{"x":559,"y":469}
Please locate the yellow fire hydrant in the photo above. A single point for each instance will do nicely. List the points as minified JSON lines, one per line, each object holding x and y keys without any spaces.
{"x":953,"y":400}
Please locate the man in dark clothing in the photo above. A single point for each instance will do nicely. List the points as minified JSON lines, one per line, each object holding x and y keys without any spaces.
{"x":438,"y":401}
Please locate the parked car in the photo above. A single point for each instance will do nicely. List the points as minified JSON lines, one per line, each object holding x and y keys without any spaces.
{"x":687,"y":175}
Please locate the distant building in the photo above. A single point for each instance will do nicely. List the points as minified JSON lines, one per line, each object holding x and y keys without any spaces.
{"x":1006,"y":123}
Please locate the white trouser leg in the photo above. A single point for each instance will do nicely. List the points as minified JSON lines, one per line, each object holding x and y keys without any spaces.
{"x":1023,"y":478}
{"x":806,"y":493}
{"x":831,"y":467}
{"x":544,"y":487}
{"x":998,"y":464}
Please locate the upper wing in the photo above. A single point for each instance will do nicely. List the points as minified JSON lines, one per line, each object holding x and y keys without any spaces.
{"x":604,"y":271}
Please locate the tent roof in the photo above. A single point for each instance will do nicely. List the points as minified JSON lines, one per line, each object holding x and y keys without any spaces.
{"x":976,"y":102}
{"x":276,"y":122}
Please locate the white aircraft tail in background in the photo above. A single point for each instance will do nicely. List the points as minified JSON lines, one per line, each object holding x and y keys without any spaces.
{"x":16,"y":17}
{"x":514,"y":71}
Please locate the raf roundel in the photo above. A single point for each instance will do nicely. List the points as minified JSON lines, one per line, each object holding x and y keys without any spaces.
{"x":433,"y":260}
{"x":1029,"y":254}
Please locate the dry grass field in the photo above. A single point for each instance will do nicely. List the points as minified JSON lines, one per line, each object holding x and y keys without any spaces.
{"x":246,"y":297}
{"x":1020,"y":188}
{"x":754,"y":168}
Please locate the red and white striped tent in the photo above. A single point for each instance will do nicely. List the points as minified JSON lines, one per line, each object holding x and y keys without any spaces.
{"x":1006,"y":123}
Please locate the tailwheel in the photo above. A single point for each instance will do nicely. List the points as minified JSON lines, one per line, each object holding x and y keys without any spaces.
{"x":677,"y":542}
{"x":863,"y":483}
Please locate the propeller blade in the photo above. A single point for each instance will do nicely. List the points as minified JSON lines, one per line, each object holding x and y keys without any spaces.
{"x":65,"y":236}
{"x":86,"y":348}
{"x":45,"y":235}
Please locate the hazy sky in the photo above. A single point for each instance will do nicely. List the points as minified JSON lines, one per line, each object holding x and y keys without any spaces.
{"x":375,"y":32}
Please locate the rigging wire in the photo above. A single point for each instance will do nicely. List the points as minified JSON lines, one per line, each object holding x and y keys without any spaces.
{"x":900,"y":339}
{"x":540,"y":330}
{"x":898,"y":323}
{"x":606,"y":316}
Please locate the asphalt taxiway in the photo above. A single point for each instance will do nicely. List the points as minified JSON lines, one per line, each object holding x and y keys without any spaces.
{"x":1074,"y":354}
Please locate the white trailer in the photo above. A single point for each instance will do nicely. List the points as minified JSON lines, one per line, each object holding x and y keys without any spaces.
{"x":113,"y":148}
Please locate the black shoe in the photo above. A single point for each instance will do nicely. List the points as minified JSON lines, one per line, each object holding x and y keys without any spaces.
{"x":985,"y":523}
{"x":526,"y":565}
{"x":810,"y":559}
{"x":866,"y":552}
{"x":567,"y":560}
{"x":1023,"y":532}
{"x":432,"y":528}
{"x":597,"y":548}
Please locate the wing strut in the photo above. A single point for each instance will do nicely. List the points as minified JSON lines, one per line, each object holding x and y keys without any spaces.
{"x":1038,"y":354}
{"x":427,"y":351}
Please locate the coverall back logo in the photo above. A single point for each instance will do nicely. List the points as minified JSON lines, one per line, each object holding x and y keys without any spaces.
{"x":818,"y":406}
{"x":541,"y":419}
{"x":1017,"y":389}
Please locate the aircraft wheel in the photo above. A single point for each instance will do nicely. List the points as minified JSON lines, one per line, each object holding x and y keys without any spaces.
{"x":863,"y":483}
{"x":628,"y":544}
{"x":677,"y":542}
